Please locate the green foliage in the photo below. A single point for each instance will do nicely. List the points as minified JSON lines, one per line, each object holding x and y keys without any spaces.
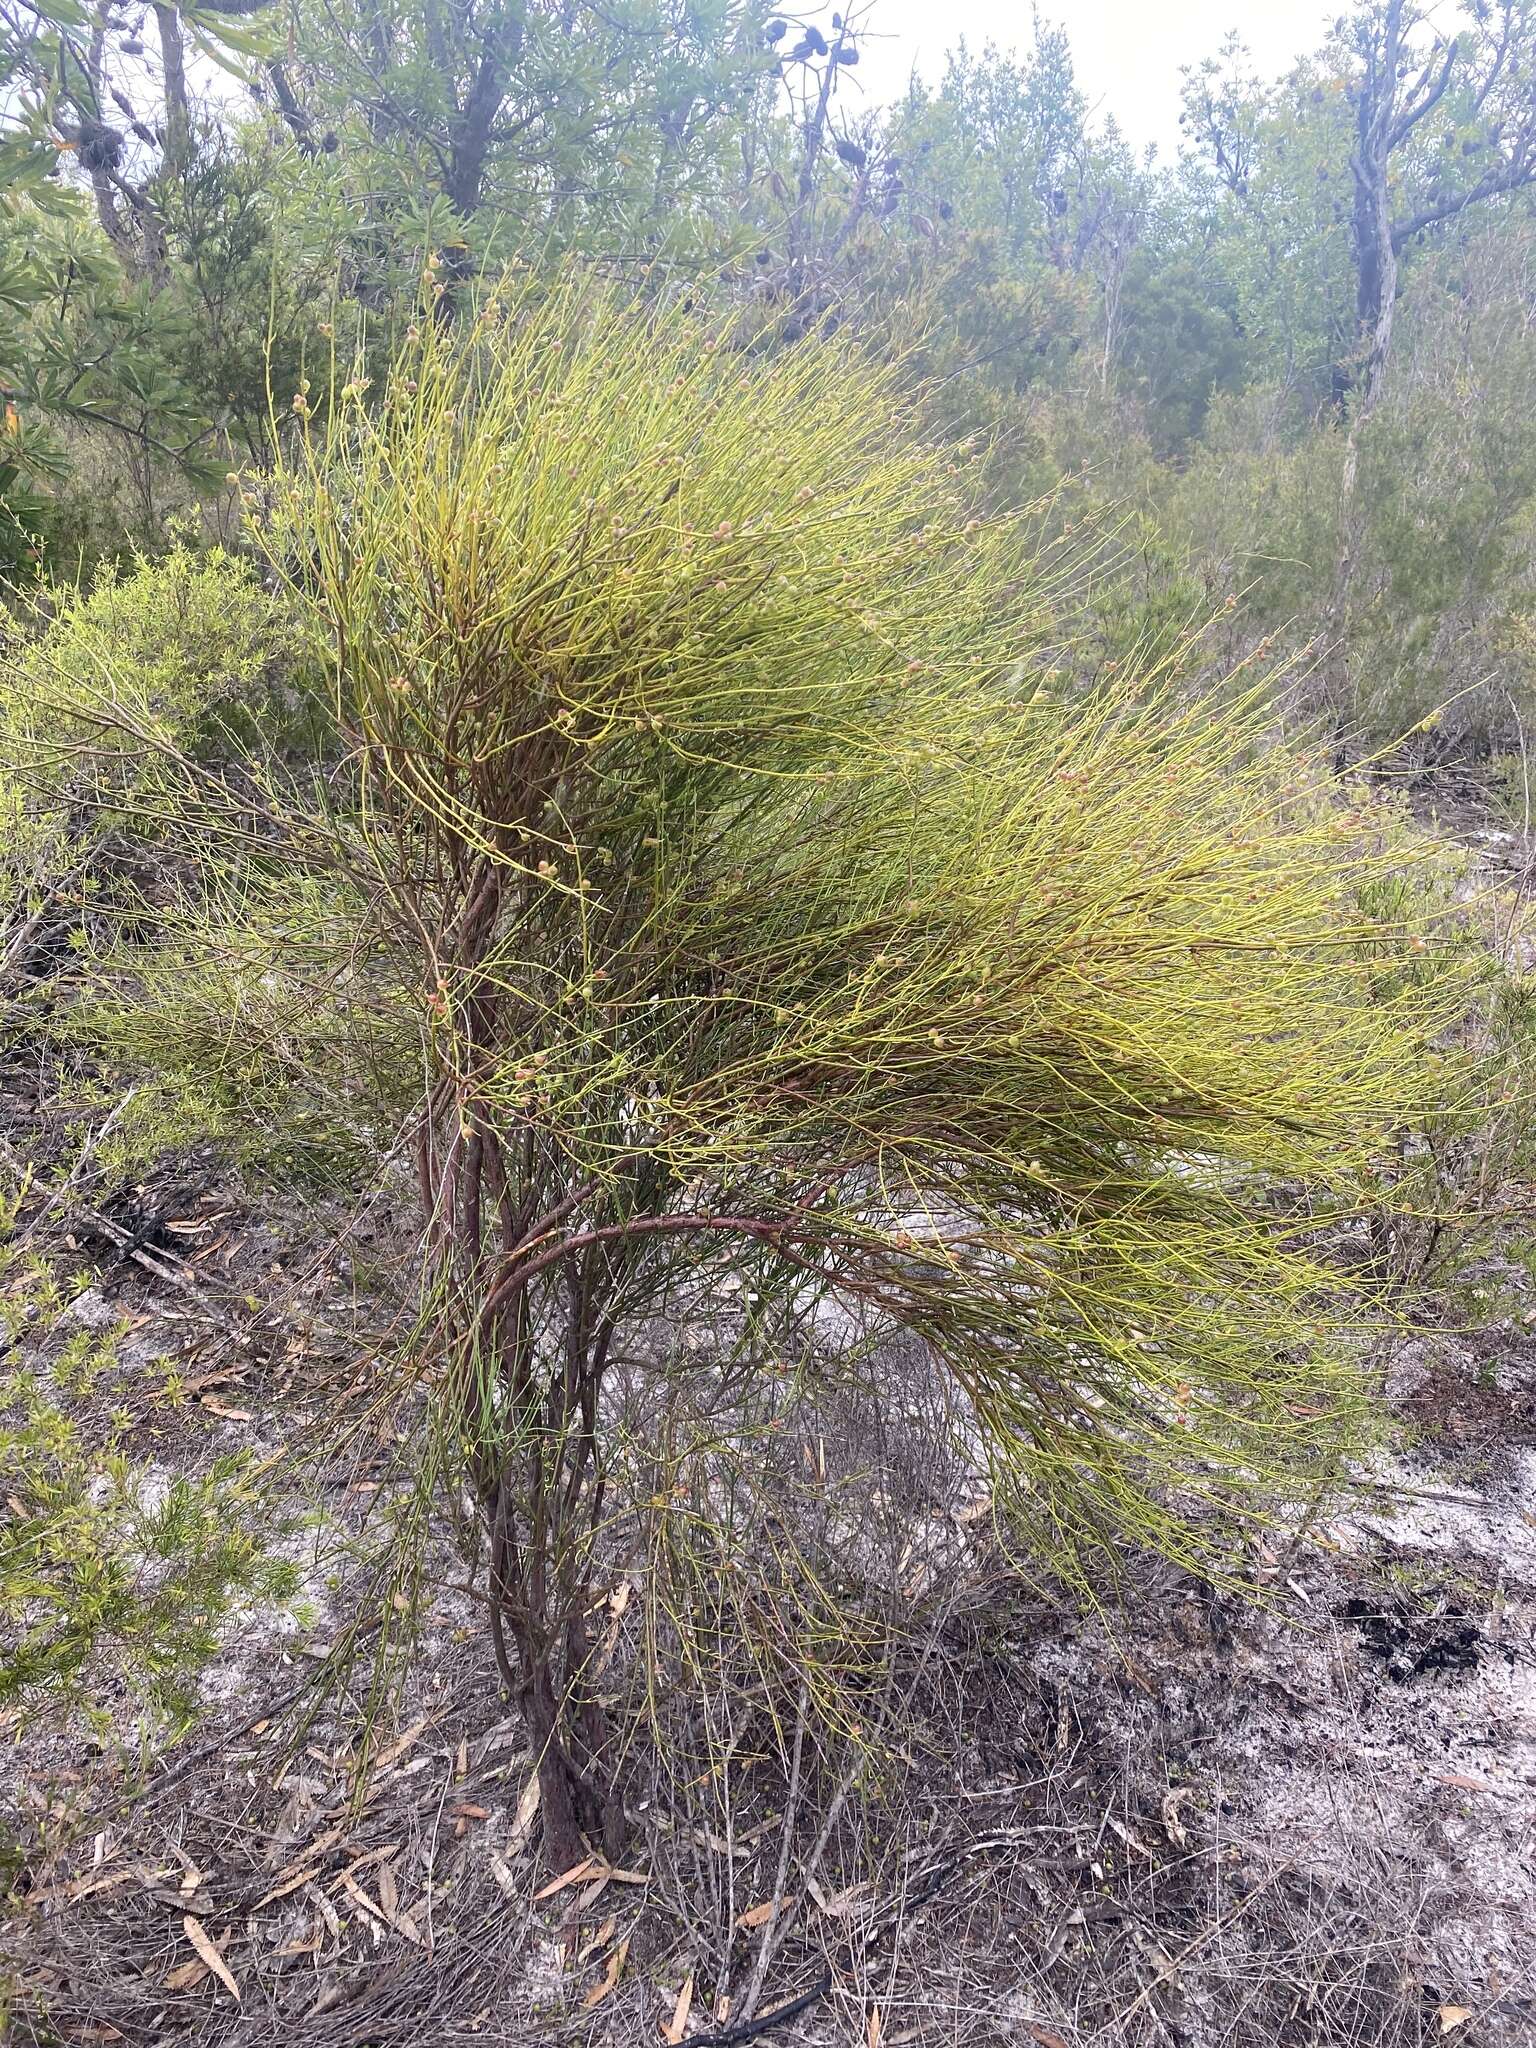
{"x":187,"y":652}
{"x":34,"y":42}
{"x":502,"y":128}
{"x":100,"y":349}
{"x":188,"y":648}
{"x":1448,"y":1196}
{"x":1021,"y":226}
{"x":189,"y":642}
{"x":1183,"y":344}
{"x":1003,"y":136}
{"x":1439,"y":518}
{"x":1273,"y":176}
{"x":1007,"y":1014}
{"x":98,"y":317}
{"x":1447,"y":487}
{"x":229,"y":994}
{"x":1260,"y":502}
{"x":1072,"y":305}
{"x":251,"y":288}
{"x":116,"y":1574}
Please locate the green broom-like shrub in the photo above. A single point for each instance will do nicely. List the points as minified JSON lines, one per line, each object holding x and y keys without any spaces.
{"x":704,"y":821}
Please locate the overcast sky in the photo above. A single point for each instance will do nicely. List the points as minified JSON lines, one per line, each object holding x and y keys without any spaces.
{"x":1127,"y":52}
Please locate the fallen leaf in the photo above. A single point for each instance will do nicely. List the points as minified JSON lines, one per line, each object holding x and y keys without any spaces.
{"x":309,"y":1947}
{"x":1046,"y":2036}
{"x":1463,"y":1783}
{"x":215,"y":1379}
{"x":360,"y":1898}
{"x":392,"y":1915}
{"x":397,"y":1749}
{"x":1129,"y":1836}
{"x":290,"y":1883}
{"x":217,"y":1407}
{"x":616,"y":1602}
{"x":84,"y":1887}
{"x":838,"y":1904}
{"x":1453,"y":2016}
{"x":615,"y":1965}
{"x":467,"y":1812}
{"x":672,"y":2033}
{"x":326,"y":1911}
{"x":574,"y":1875}
{"x":1177,"y":1832}
{"x":185,"y":1975}
{"x":876,"y":2028}
{"x":717,"y":1844}
{"x":366,"y":1857}
{"x":527,"y":1813}
{"x":759,"y":1916}
{"x":599,"y":1940}
{"x":327,"y":1839}
{"x":333,"y":1995}
{"x":198,"y":1935}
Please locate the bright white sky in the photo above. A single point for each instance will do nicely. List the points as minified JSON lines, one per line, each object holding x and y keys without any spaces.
{"x":1127,"y":53}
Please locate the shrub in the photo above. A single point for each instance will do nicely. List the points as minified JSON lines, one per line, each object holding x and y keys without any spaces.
{"x":189,"y":638}
{"x":1439,"y":527}
{"x":115,"y":1575}
{"x":763,"y":914}
{"x":187,"y":653}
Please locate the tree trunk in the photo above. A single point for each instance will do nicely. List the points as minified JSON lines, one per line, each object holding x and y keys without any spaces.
{"x":1375,"y":278}
{"x":470,"y":144}
{"x":559,"y":1789}
{"x":1375,"y":253}
{"x":533,"y":1450}
{"x":178,"y":112}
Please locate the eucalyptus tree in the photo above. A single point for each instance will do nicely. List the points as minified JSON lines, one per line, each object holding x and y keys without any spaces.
{"x":1395,"y":131}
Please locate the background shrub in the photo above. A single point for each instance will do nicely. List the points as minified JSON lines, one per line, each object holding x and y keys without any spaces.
{"x":116,"y":1575}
